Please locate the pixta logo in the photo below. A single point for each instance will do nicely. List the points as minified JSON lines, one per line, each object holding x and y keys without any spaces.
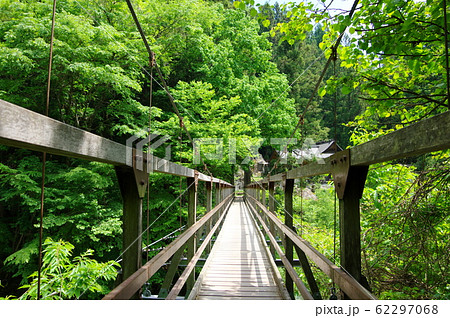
{"x":150,"y":143}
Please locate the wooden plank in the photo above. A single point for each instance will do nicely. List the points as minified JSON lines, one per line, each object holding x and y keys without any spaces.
{"x":277,"y":177}
{"x":243,"y":293}
{"x":287,"y":263}
{"x":23,"y":128}
{"x":127,"y":288}
{"x":346,"y":282}
{"x":310,"y":169}
{"x":234,"y":269}
{"x":191,"y":265}
{"x":428,"y":135}
{"x":228,"y":284}
{"x":235,"y":298}
{"x":272,"y":289}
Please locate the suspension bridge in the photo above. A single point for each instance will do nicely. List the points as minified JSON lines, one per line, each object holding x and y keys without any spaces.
{"x":243,"y":241}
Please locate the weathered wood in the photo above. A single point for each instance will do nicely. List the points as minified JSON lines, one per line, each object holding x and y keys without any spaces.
{"x":191,"y":265}
{"x":349,"y":220}
{"x":286,"y":262}
{"x":272,"y":209}
{"x":310,"y":169}
{"x":288,"y":220}
{"x":431,"y":134}
{"x":208,"y":196}
{"x":277,"y":177}
{"x":192,"y":215}
{"x":131,"y":221}
{"x":308,"y":273}
{"x":23,"y":128}
{"x":346,"y":282}
{"x":263,"y":195}
{"x":428,"y":135}
{"x":132,"y":284}
{"x":175,"y":261}
{"x":208,"y":208}
{"x":239,"y":259}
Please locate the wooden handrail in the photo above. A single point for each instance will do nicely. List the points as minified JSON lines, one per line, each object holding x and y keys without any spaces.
{"x":428,"y":135}
{"x":289,"y":268}
{"x":346,"y":282}
{"x":132,"y":284}
{"x":191,"y":265}
{"x":23,"y":128}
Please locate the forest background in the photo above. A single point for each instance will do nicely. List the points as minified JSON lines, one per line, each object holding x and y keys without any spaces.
{"x":237,"y":70}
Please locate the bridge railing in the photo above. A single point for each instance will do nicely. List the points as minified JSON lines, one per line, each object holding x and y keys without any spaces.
{"x":349,"y":170}
{"x":347,"y":283}
{"x":174,"y":250}
{"x":23,"y":128}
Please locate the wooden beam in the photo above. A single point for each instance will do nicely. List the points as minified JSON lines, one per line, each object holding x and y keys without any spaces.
{"x":272,"y":210}
{"x":188,"y":271}
{"x":23,"y":128}
{"x":175,"y":261}
{"x":349,"y":222}
{"x":346,"y":282}
{"x":208,"y":208}
{"x":132,"y":284}
{"x":288,"y":220}
{"x":131,"y":221}
{"x":192,"y":216}
{"x":288,"y":265}
{"x":310,"y":169}
{"x":428,"y":135}
{"x":308,"y":273}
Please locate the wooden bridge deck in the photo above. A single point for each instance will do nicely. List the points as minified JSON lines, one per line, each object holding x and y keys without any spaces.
{"x":239,"y":266}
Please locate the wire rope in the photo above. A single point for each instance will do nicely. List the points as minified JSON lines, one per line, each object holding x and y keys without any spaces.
{"x":44,"y":154}
{"x":139,"y":236}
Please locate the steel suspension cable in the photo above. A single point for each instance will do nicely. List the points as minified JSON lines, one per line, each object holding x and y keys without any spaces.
{"x":316,"y":87}
{"x":44,"y":154}
{"x":137,"y":238}
{"x":161,"y":77}
{"x":149,"y":134}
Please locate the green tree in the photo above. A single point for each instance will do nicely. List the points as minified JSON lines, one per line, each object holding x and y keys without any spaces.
{"x":63,"y":278}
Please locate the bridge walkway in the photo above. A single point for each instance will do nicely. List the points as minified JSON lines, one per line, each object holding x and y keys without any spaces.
{"x":240,"y":265}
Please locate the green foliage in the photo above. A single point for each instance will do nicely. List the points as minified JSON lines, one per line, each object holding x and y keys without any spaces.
{"x":232,"y":81}
{"x":63,"y":278}
{"x":405,"y":228}
{"x":318,"y":212}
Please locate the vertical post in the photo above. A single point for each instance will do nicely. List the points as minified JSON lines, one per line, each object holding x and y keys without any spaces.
{"x":192,"y":213}
{"x":258,"y":196}
{"x":272,"y":209}
{"x":263,"y":193}
{"x":131,"y":220}
{"x":217,"y":198}
{"x":208,"y":196}
{"x":349,"y":222}
{"x":208,"y":208}
{"x":288,"y":220}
